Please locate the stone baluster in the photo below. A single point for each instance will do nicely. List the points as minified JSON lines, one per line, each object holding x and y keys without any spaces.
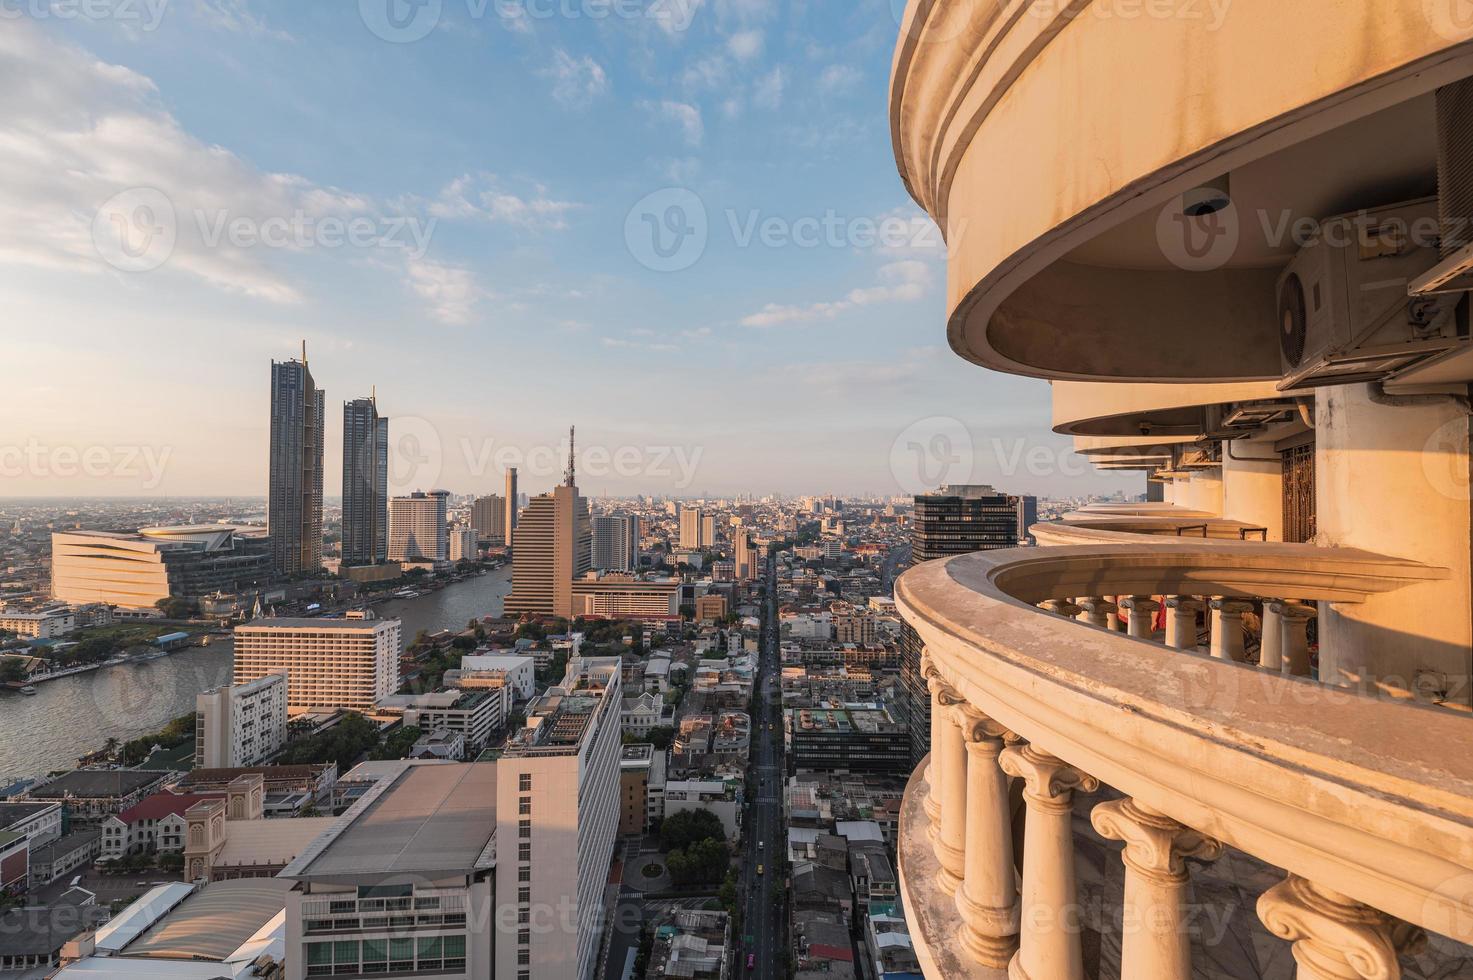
{"x":1335,"y":937}
{"x":1155,"y":941}
{"x":1097,"y":611}
{"x":1048,"y":942}
{"x":934,"y":684}
{"x":1061,"y":607}
{"x":1294,"y":630}
{"x":1142,"y":613}
{"x":1271,"y":645}
{"x":951,"y":756}
{"x":1116,"y":619}
{"x":988,"y":898}
{"x":1181,"y":622}
{"x":1227,"y":628}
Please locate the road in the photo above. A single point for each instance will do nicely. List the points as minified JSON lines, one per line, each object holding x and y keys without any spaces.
{"x":764,"y":838}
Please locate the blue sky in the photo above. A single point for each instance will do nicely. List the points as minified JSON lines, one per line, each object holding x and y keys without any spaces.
{"x":467,"y":219}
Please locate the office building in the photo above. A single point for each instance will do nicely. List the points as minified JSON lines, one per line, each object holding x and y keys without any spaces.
{"x":519,"y":672}
{"x":1027,"y":517}
{"x":48,"y":624}
{"x":697,"y":529}
{"x":952,"y":521}
{"x":557,"y":787}
{"x":240,"y":725}
{"x":465,"y":544}
{"x":471,"y":713}
{"x":365,"y":483}
{"x":750,"y":558}
{"x":402,"y":883}
{"x":488,"y":517}
{"x":616,"y":543}
{"x":328,"y":663}
{"x":553,"y":546}
{"x":513,"y":508}
{"x":135,"y":569}
{"x":622,"y":596}
{"x":294,"y":492}
{"x":850,"y":739}
{"x":417,"y":527}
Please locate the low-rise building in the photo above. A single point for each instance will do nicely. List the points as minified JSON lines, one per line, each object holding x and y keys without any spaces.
{"x":48,"y":624}
{"x":641,"y":788}
{"x":38,"y":821}
{"x":474,"y":714}
{"x":154,"y":823}
{"x":637,"y":715}
{"x":720,"y":798}
{"x":92,"y":795}
{"x":847,"y":739}
{"x":519,"y":671}
{"x":65,"y":854}
{"x":692,"y":945}
{"x":32,"y":936}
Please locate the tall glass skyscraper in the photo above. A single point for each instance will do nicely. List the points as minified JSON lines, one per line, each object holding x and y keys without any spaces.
{"x":294,"y":496}
{"x":365,"y":483}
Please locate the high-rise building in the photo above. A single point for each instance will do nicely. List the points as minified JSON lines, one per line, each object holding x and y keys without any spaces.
{"x":749,"y":557}
{"x":294,"y":493}
{"x":557,"y":817}
{"x":513,"y":505}
{"x":464,"y":544}
{"x":488,"y":517}
{"x":365,"y":483}
{"x":952,"y":521}
{"x":616,"y":543}
{"x":1027,"y":517}
{"x":417,"y":527}
{"x":328,"y":663}
{"x":552,"y":545}
{"x":240,"y":725}
{"x":697,"y":529}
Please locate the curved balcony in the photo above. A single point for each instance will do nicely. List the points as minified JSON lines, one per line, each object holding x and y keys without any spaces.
{"x":1056,"y":145}
{"x":1363,"y":804}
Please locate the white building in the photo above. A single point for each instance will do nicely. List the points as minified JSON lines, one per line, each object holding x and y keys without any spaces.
{"x":639,"y":714}
{"x":520,"y":673}
{"x":49,"y":624}
{"x":417,"y":527}
{"x":241,"y":725}
{"x":328,"y":663}
{"x":464,"y":544}
{"x":475,"y":714}
{"x":557,"y":791}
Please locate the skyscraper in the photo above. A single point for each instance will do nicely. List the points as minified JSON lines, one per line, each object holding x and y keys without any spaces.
{"x":553,"y":545}
{"x":616,"y":543}
{"x":365,"y":483}
{"x":697,"y":528}
{"x":417,"y":527}
{"x":748,"y":557}
{"x":952,"y":521}
{"x":294,"y":494}
{"x":513,"y":503}
{"x":488,"y":517}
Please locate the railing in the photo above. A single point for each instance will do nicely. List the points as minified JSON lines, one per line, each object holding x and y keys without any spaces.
{"x":1365,"y":803}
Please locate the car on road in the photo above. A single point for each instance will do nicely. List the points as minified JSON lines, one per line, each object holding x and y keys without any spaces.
{"x":751,"y":961}
{"x":759,"y":869}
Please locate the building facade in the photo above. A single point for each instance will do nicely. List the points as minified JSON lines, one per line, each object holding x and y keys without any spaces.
{"x":294,"y":491}
{"x":136,"y":569}
{"x":488,"y":517}
{"x":553,"y":546}
{"x":240,"y":725}
{"x":365,"y":483}
{"x":328,"y":663}
{"x":418,"y":530}
{"x":616,"y":543}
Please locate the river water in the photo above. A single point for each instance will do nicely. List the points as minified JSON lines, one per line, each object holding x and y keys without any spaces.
{"x":72,"y":716}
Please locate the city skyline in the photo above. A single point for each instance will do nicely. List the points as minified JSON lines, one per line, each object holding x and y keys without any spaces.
{"x":544,"y":272}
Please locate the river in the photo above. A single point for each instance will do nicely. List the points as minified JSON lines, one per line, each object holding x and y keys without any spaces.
{"x":72,"y":716}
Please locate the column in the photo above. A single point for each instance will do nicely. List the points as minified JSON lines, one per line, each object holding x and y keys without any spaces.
{"x":951,"y":757}
{"x":1061,"y":607}
{"x":1097,"y":610}
{"x":988,"y":899}
{"x":1117,"y":621}
{"x":1335,"y":937}
{"x":1271,"y":646}
{"x":1155,"y":942}
{"x":1227,"y":628}
{"x":1181,"y":622}
{"x":1048,"y":940}
{"x":1142,"y":612}
{"x":1294,"y":642}
{"x":934,"y":683}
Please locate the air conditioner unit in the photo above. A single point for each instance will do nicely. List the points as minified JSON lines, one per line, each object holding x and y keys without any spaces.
{"x":1343,"y":310}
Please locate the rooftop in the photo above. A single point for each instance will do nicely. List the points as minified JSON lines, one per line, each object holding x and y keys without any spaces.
{"x":310,"y":623}
{"x":215,"y":921}
{"x":97,"y":783}
{"x":427,"y":819}
{"x":14,"y":813}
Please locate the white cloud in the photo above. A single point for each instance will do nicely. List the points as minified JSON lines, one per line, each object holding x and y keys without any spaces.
{"x":838,"y":78}
{"x":237,"y":17}
{"x":905,"y":281}
{"x":767,"y":93}
{"x":450,"y":292}
{"x":482,"y":197}
{"x":685,"y":116}
{"x":745,"y":45}
{"x":575,"y":81}
{"x":675,"y":17}
{"x":626,"y":344}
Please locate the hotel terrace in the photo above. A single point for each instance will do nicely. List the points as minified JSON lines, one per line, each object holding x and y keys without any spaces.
{"x":1234,"y":238}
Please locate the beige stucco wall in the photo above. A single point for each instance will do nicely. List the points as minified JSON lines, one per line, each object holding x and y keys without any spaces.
{"x":1253,"y":486}
{"x":1395,"y":481}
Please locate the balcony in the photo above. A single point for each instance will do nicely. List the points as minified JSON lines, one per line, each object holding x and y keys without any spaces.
{"x":1345,"y":817}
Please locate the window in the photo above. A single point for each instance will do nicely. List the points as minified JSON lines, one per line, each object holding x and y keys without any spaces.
{"x":525,"y":782}
{"x":524,"y":895}
{"x":524,"y":829}
{"x":524,"y":807}
{"x":525,"y":874}
{"x":524,"y":937}
{"x":524,"y":958}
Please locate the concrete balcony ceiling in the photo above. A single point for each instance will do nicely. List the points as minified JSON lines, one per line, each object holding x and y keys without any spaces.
{"x":1051,"y":141}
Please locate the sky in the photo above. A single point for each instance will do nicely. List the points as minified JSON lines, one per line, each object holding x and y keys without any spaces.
{"x":676,"y":224}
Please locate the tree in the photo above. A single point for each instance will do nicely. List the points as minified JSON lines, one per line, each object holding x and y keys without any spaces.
{"x":466,"y":643}
{"x":174,"y":607}
{"x":399,"y":744}
{"x":343,"y":744}
{"x":660,"y":737}
{"x":687,"y":827}
{"x":12,"y":669}
{"x":703,"y":862}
